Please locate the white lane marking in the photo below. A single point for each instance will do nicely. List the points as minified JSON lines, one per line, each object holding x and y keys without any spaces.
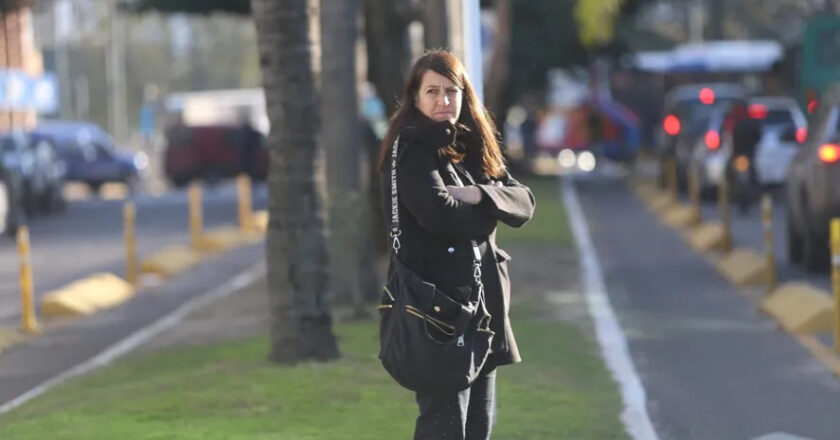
{"x":610,"y":337}
{"x":140,"y":336}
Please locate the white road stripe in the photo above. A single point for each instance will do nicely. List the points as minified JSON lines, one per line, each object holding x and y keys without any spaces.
{"x":140,"y":336}
{"x":609,"y":334}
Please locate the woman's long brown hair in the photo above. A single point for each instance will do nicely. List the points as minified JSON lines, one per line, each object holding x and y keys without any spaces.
{"x":473,"y":114}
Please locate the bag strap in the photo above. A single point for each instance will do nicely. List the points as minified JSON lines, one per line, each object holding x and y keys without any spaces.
{"x":395,"y":208}
{"x":396,"y":231}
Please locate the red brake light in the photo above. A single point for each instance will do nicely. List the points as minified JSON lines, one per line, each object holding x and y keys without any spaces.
{"x":757,"y":111}
{"x":707,"y":96}
{"x":830,"y":153}
{"x":801,"y":135}
{"x":671,"y":125}
{"x":712,"y":139}
{"x":812,"y":106}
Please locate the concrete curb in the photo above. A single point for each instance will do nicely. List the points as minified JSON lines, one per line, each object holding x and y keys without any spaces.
{"x":170,"y":261}
{"x":9,"y":337}
{"x":225,"y":238}
{"x":261,"y":221}
{"x":800,"y":308}
{"x":86,"y":296}
{"x":705,"y":237}
{"x":680,"y":216}
{"x":743,"y":267}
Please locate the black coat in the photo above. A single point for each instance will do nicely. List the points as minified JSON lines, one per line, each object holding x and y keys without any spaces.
{"x":437,"y":229}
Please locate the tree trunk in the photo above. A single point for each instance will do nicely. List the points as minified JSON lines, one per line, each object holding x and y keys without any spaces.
{"x":341,"y":137}
{"x":497,"y":74}
{"x":389,"y":53}
{"x":436,"y":25}
{"x":301,"y":324}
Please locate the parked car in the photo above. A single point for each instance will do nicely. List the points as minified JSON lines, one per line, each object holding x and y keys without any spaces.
{"x":212,"y":152}
{"x":812,"y":186}
{"x":89,"y":154}
{"x":11,"y":203}
{"x":40,"y":171}
{"x":686,"y":113}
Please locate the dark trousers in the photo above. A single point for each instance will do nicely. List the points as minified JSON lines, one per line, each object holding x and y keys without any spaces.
{"x":467,"y":415}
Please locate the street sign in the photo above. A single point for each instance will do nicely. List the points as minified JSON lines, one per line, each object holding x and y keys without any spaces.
{"x":21,"y":91}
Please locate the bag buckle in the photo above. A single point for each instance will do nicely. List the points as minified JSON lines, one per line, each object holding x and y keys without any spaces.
{"x":395,"y":242}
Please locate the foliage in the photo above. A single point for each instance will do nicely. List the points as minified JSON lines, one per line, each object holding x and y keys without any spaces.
{"x":241,"y":7}
{"x":14,"y":5}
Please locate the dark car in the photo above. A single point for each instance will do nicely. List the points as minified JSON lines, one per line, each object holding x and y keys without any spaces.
{"x":687,"y":112}
{"x":212,"y":152}
{"x":41,"y":172}
{"x":89,"y":154}
{"x":812,"y":186}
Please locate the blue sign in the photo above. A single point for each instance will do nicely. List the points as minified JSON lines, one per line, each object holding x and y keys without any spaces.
{"x":21,"y":91}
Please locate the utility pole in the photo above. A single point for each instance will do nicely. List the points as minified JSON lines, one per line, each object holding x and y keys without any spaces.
{"x":62,"y":20}
{"x":471,"y":38}
{"x":117,"y":119}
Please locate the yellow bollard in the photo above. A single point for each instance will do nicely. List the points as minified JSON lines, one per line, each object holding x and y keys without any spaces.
{"x":195,"y":215}
{"x":246,"y":213}
{"x":694,"y":192}
{"x":672,"y":179}
{"x":835,"y":278}
{"x":129,"y":216}
{"x":769,"y":251}
{"x":28,"y":323}
{"x":723,"y":206}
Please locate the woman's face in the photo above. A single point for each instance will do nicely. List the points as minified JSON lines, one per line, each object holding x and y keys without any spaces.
{"x":439,"y":98}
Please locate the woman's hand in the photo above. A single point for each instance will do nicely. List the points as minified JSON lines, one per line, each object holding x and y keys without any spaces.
{"x":467,"y":194}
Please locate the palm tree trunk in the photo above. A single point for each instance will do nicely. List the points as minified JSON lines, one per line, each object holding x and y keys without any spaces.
{"x":389,"y":53}
{"x":340,"y":135}
{"x":301,"y":323}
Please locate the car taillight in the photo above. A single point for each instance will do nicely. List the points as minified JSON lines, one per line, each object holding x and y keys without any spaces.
{"x":671,"y":125}
{"x":707,"y":96}
{"x":757,"y":111}
{"x":712,"y":139}
{"x":801,"y":135}
{"x":829,"y":153}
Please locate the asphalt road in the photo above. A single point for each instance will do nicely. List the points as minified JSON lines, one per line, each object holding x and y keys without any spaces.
{"x":88,"y":238}
{"x":712,"y":366}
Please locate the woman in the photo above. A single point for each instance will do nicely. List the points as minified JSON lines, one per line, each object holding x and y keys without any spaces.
{"x":446,"y":139}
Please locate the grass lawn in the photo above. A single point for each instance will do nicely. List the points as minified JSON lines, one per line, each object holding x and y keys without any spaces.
{"x":549,"y":225}
{"x":229,"y":391}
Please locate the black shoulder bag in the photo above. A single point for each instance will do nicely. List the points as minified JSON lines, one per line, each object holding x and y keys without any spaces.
{"x":429,"y":342}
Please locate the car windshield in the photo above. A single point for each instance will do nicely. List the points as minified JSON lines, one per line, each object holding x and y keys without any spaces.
{"x":779,"y":117}
{"x":696,"y":116}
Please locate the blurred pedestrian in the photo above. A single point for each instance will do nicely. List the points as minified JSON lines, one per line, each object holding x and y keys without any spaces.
{"x":446,"y":140}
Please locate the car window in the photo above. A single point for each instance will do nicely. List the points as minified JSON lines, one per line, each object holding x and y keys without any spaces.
{"x":832,"y":126}
{"x":777,"y":117}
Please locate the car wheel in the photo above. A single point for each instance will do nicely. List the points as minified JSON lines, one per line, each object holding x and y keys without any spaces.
{"x":815,"y":253}
{"x":794,"y":240}
{"x":54,"y":200}
{"x":94,"y":187}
